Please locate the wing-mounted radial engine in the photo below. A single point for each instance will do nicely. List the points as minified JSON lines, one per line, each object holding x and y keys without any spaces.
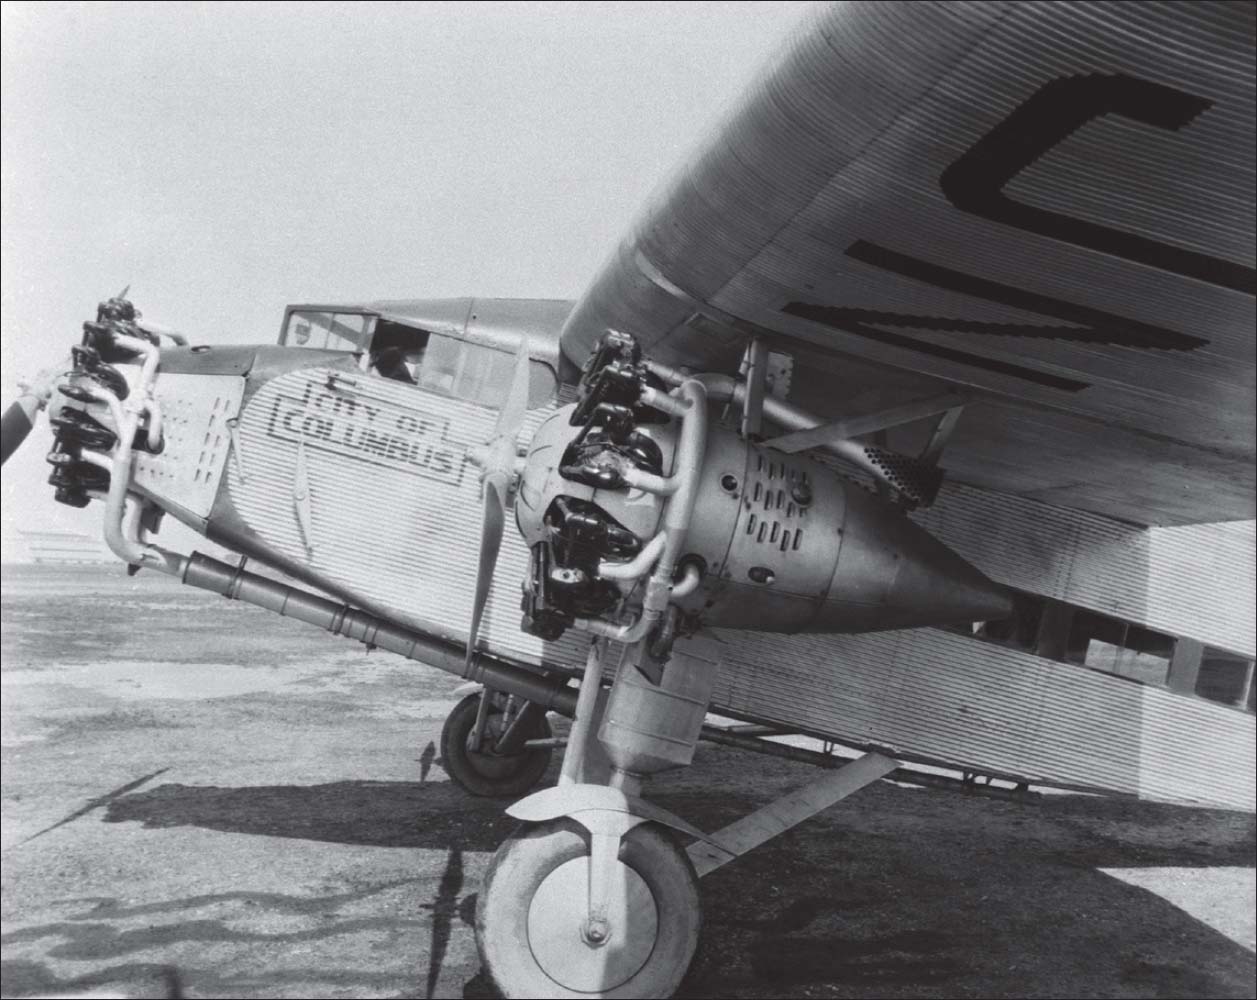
{"x":644,"y":516}
{"x":645,"y":519}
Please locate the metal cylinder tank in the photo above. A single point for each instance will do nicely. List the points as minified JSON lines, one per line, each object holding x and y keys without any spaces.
{"x":649,"y":727}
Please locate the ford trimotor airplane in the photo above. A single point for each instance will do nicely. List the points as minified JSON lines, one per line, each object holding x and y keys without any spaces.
{"x":1012,"y":241}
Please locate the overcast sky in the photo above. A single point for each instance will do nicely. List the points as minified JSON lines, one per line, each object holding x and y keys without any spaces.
{"x":224,"y":160}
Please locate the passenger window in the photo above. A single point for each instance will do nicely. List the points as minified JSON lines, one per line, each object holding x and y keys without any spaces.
{"x":1118,"y":647}
{"x":1226,"y":677}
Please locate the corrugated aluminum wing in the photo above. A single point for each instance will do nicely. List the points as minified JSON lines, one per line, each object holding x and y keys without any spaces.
{"x":1051,"y":204}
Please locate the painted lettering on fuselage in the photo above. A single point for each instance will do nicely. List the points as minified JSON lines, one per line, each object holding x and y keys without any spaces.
{"x":369,"y":430}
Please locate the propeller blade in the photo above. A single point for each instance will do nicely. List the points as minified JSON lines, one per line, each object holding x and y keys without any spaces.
{"x":497,"y":460}
{"x":15,"y":424}
{"x":492,"y":525}
{"x":515,"y":409}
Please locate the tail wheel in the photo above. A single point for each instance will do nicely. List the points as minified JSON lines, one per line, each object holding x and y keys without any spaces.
{"x":483,"y":772}
{"x":531,"y":918}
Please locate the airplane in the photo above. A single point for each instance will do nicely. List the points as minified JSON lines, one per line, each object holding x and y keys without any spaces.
{"x":915,"y":416}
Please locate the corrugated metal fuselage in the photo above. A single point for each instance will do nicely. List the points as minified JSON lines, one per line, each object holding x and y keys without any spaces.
{"x":392,"y":525}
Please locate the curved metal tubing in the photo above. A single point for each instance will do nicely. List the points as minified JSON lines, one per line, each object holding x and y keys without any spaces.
{"x":726,"y":388}
{"x":639,"y":565}
{"x":689,"y":400}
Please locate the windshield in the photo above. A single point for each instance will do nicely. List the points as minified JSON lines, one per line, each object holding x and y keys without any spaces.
{"x":333,"y":331}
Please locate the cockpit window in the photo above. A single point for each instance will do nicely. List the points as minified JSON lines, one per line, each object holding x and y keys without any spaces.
{"x":446,"y":366}
{"x":332,"y":331}
{"x":451,"y":367}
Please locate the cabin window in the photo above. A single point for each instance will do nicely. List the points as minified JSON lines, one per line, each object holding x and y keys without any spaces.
{"x":1118,"y":647}
{"x":330,"y":331}
{"x":1059,"y":631}
{"x":1226,"y":677}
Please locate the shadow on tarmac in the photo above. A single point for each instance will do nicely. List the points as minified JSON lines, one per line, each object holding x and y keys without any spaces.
{"x":434,"y":815}
{"x":916,"y":894}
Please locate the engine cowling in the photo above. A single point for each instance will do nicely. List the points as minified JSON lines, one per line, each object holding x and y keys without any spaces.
{"x":783,"y":543}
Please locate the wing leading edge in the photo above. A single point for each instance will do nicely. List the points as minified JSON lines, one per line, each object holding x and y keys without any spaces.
{"x":1047,"y":205}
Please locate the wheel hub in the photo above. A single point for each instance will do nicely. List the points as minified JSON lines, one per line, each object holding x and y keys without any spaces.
{"x":595,"y":931}
{"x":590,"y":954}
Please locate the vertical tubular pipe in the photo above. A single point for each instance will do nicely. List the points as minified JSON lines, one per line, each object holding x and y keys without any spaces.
{"x":753,"y":398}
{"x":690,"y":402}
{"x":127,"y":417}
{"x":582,"y":727}
{"x":689,"y":464}
{"x":154,"y":425}
{"x":476,"y":738}
{"x":130,"y":550}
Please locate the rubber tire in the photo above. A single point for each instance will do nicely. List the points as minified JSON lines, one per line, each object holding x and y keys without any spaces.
{"x":522,"y":863}
{"x":486,"y":775}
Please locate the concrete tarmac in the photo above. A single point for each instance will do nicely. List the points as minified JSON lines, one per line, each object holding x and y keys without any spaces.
{"x":194,"y":785}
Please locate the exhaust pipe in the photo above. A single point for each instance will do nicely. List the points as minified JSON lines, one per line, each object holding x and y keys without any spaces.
{"x":237,"y":584}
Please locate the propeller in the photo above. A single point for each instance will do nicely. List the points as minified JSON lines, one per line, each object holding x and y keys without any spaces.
{"x":496,"y":459}
{"x":19,"y":418}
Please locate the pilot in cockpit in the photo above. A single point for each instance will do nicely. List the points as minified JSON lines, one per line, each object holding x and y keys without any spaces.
{"x":391,"y":363}
{"x":400,"y":362}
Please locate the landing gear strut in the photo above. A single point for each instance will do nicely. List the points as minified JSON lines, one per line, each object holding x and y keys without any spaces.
{"x":493,"y":769}
{"x":595,"y":898}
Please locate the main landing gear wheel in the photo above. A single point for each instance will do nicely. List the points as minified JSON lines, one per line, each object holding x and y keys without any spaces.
{"x":484,"y":772}
{"x":532,"y":921}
